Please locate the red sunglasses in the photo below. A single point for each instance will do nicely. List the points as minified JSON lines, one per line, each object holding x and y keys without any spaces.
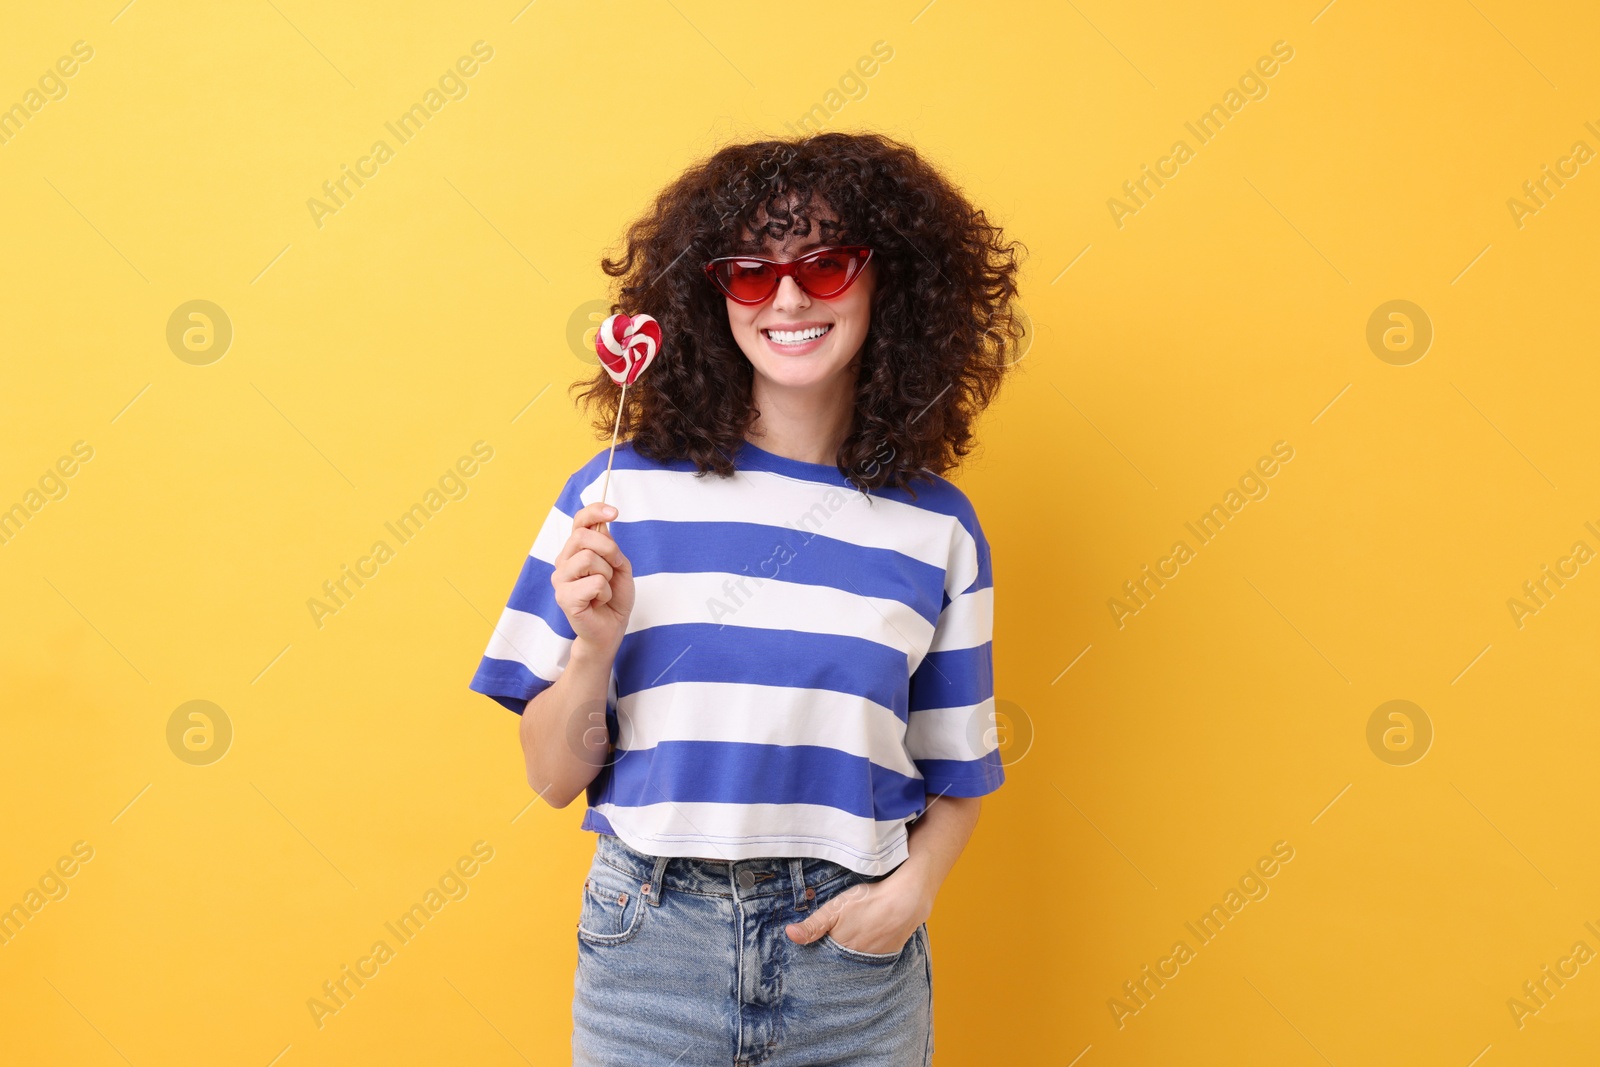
{"x":824,"y":273}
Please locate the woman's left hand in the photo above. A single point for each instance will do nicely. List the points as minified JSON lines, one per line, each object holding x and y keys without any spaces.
{"x":876,"y":917}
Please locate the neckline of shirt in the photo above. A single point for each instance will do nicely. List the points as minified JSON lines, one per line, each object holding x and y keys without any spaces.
{"x":754,"y":457}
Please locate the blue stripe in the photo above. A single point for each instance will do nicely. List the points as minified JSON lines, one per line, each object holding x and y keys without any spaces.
{"x":777,"y":553}
{"x":507,"y":681}
{"x":963,"y":778}
{"x":730,"y":772}
{"x":593,"y":820}
{"x":953,"y":679}
{"x":534,"y":594}
{"x":706,"y":652}
{"x":944,"y":498}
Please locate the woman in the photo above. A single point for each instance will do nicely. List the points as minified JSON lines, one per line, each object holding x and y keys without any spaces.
{"x":767,"y":661}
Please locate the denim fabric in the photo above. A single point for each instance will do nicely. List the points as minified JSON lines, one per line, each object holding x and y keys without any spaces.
{"x":684,"y":962}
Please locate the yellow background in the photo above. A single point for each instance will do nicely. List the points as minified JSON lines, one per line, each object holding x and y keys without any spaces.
{"x":1228,"y":313}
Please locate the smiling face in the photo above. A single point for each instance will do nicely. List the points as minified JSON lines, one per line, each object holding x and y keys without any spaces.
{"x":798,"y":342}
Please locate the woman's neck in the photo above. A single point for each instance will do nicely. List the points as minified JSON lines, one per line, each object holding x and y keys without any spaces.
{"x":807,"y":425}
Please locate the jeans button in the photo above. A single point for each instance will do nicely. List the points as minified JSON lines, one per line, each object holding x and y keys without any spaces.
{"x":747,"y":879}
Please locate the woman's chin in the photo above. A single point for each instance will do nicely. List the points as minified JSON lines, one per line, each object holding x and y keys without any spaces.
{"x":797,"y":375}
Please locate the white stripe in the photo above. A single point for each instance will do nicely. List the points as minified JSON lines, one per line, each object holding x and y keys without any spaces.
{"x":553,"y":534}
{"x":967,"y":622}
{"x":527,"y":639}
{"x":719,"y":598}
{"x":961,"y":568}
{"x":727,"y":711}
{"x":953,"y":733}
{"x":733,"y":831}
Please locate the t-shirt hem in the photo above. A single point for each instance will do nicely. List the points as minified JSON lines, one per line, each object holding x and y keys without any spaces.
{"x":977,"y":785}
{"x":500,"y":684}
{"x":763,"y":847}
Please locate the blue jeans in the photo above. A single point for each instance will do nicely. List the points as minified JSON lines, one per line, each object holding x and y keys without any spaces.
{"x":685,"y":962}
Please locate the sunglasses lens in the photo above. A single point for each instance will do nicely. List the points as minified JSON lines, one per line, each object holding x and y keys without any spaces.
{"x":827,"y":274}
{"x":746,"y":279}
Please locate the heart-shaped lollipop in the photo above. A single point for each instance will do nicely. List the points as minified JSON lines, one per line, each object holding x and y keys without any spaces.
{"x":627,"y":344}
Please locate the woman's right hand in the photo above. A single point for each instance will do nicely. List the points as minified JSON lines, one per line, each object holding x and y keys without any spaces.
{"x":593,"y":580}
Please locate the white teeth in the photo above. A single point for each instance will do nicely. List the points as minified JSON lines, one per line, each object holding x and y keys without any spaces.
{"x":785,"y":337}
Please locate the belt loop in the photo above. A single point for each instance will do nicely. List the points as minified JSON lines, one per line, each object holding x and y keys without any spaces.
{"x":652,"y":888}
{"x":797,"y":878}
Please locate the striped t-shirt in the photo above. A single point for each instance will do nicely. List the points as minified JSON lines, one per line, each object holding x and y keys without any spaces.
{"x":802,"y":668}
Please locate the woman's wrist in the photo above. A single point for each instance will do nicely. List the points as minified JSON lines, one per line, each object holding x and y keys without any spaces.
{"x":587,"y":655}
{"x":934,"y":842}
{"x":917,"y":887}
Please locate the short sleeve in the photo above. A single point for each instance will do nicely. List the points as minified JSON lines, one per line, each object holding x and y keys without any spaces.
{"x":950,"y":729}
{"x":533,"y":640}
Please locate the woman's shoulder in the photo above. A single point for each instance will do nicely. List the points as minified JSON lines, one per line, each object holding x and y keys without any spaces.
{"x":968,"y":567}
{"x":627,"y":458}
{"x":934,"y":492}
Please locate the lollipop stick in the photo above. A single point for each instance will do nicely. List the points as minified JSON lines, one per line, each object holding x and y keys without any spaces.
{"x":626,"y":344}
{"x":606,"y":485}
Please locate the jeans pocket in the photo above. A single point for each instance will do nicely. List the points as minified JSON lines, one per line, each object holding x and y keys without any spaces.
{"x":613,"y":906}
{"x":846,"y":888}
{"x":867,"y":957}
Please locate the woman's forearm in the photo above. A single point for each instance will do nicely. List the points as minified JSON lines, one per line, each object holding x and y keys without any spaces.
{"x":563,"y":729}
{"x":935,"y":841}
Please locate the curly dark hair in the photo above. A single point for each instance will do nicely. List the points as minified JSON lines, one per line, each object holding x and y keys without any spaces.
{"x":944,"y":325}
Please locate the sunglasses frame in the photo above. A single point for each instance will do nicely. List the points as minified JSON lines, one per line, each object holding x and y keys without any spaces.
{"x":787,"y":269}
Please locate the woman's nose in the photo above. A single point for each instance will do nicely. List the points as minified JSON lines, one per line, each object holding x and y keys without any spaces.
{"x":790,"y":295}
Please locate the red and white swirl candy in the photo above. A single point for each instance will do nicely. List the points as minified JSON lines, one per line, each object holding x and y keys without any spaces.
{"x":627,"y":344}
